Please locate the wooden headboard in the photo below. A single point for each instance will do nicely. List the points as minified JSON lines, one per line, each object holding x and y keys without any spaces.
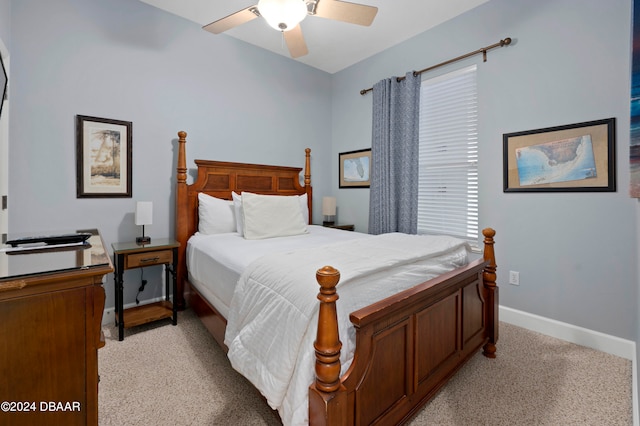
{"x":219,"y":179}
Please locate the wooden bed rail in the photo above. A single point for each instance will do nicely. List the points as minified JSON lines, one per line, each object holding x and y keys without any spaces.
{"x":333,"y":400}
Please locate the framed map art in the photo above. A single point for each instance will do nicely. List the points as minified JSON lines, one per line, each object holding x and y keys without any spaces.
{"x":355,"y":169}
{"x":573,"y":158}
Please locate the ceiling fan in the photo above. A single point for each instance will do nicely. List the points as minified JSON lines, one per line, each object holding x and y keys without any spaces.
{"x":286,"y":15}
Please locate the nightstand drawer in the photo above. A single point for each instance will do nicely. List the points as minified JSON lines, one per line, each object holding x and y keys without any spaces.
{"x":146,"y":259}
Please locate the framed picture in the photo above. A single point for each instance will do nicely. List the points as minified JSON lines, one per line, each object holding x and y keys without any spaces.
{"x":355,"y":169}
{"x":4,"y":80}
{"x":577,"y":157}
{"x":103,"y":156}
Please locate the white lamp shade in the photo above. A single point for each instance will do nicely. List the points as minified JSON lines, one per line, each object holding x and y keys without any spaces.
{"x":283,"y":15}
{"x":144,"y":213}
{"x":329,"y":206}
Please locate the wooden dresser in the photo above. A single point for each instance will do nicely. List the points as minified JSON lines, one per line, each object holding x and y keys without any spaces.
{"x":51,"y":304}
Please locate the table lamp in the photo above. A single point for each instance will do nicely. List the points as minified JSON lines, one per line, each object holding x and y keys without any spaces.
{"x":329,"y":210}
{"x":144,"y":214}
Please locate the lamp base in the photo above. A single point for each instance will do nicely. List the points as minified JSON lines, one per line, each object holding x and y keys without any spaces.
{"x":143,"y":240}
{"x":329,"y":219}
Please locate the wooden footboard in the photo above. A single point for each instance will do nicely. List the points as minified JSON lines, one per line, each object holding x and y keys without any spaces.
{"x":407,"y":346}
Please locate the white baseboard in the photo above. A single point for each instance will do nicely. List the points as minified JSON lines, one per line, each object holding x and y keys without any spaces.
{"x":108,"y":316}
{"x":571,"y":333}
{"x":581,"y":336}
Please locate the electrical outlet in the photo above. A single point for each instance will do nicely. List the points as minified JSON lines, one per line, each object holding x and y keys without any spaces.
{"x":514,"y":277}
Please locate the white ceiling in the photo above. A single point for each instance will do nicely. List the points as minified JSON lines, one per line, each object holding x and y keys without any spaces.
{"x":332,"y":45}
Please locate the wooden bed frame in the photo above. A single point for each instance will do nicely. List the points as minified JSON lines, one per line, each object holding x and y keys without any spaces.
{"x":407,"y":346}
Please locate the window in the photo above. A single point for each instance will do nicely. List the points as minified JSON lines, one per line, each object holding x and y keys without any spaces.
{"x":448,"y":180}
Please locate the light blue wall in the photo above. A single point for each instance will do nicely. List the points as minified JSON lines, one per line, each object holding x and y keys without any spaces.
{"x":125,"y":60}
{"x":576,"y":253}
{"x":5,"y":34}
{"x":5,"y":22}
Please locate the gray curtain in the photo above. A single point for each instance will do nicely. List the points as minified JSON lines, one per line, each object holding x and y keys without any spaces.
{"x":393,"y":198}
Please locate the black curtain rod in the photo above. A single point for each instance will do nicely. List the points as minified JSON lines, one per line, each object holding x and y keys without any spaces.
{"x":484,"y":50}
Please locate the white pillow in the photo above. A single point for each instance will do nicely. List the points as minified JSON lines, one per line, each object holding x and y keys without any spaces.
{"x":237,"y":204}
{"x":304,"y":207}
{"x":269,"y":216}
{"x":215,"y":215}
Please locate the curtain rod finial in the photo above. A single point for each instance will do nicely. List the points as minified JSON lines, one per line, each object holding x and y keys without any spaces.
{"x":506,"y":41}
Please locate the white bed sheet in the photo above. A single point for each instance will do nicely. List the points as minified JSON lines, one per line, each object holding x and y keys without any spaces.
{"x":215,"y":262}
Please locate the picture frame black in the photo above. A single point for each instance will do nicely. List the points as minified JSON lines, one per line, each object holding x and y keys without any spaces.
{"x":103,"y":157}
{"x":354,"y":169}
{"x":579,"y":157}
{"x":4,"y":83}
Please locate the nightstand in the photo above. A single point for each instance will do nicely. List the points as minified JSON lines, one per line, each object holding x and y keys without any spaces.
{"x":131,"y":255}
{"x":343,"y":227}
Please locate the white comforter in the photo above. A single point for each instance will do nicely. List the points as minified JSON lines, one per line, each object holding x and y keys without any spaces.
{"x":215,"y":262}
{"x":273,"y":315}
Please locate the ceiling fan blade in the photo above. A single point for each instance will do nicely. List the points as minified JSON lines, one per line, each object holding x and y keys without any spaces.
{"x":233,"y":20}
{"x":295,"y":42}
{"x":352,"y":13}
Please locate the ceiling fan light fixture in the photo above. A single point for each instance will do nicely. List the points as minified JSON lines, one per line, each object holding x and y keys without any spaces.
{"x":283,"y":15}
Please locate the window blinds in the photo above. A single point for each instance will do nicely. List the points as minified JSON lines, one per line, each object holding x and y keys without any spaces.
{"x":448,"y":157}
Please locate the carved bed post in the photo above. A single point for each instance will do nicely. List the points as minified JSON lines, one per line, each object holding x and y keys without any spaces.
{"x":491,"y":293}
{"x":307,"y":182}
{"x":181,"y":220}
{"x":327,"y":396}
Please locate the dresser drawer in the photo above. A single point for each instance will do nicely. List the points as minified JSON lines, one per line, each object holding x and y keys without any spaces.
{"x":150,"y":258}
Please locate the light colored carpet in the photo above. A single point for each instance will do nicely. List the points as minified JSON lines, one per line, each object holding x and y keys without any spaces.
{"x":166,"y":375}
